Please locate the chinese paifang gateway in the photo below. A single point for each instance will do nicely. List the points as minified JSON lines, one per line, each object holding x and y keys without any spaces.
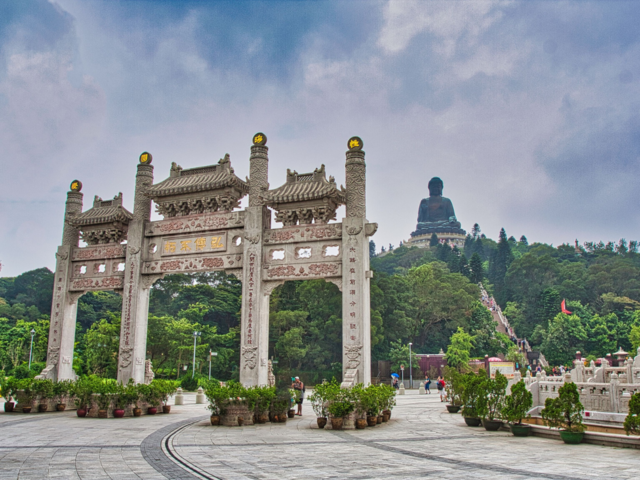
{"x":203,"y":229}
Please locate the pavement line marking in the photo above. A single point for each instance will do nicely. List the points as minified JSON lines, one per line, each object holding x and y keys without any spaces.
{"x":451,"y":461}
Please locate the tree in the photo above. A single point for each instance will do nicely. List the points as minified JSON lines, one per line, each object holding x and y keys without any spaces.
{"x":399,"y":355}
{"x":524,"y":241}
{"x":475,"y":232}
{"x":372,"y":249}
{"x":458,"y":355}
{"x":564,"y":337}
{"x":477,"y":272}
{"x":434,"y":240}
{"x":634,"y":338}
{"x":498,"y":267}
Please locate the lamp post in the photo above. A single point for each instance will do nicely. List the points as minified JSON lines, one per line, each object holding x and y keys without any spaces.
{"x":195,"y":339}
{"x":33,"y":332}
{"x":410,"y":368}
{"x":214,"y":354}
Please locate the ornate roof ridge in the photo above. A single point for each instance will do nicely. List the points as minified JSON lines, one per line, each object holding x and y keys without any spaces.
{"x":306,"y":186}
{"x":103,"y":211}
{"x":198,"y":179}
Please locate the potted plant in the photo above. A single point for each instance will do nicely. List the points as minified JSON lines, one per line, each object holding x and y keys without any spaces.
{"x":471,"y":393}
{"x":295,"y":396}
{"x":218,"y":397}
{"x":565,"y":413}
{"x":43,"y":390}
{"x":339,"y":409}
{"x":104,"y":402}
{"x":318,"y":401}
{"x":151,"y":396}
{"x":632,"y":421}
{"x":388,"y":400}
{"x":61,"y":390}
{"x":82,"y":393}
{"x":454,"y":385}
{"x":371,"y":404}
{"x":280,"y":407}
{"x":492,"y":401}
{"x":261,"y":398}
{"x":516,"y":408}
{"x":165,"y":389}
{"x":358,"y":395}
{"x":8,"y":388}
{"x":27,"y":394}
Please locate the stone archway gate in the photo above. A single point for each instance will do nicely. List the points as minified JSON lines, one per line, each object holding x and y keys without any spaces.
{"x":203,"y":230}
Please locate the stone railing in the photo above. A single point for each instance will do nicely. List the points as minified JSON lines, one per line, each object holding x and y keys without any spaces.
{"x":602,"y":389}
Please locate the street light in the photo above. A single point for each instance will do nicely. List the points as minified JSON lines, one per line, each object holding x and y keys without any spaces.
{"x":195,"y":339}
{"x":33,"y":332}
{"x":410,"y":370}
{"x":215,"y":354}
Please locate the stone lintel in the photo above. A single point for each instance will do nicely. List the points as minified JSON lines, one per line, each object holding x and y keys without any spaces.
{"x":301,"y":233}
{"x":196,"y":223}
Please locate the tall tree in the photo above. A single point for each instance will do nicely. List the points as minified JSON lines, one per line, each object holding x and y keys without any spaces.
{"x":499,"y":265}
{"x":477,"y":272}
{"x":434,"y":240}
{"x":372,"y":249}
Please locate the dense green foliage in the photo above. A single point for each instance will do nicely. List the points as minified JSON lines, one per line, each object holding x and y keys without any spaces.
{"x":565,"y":411}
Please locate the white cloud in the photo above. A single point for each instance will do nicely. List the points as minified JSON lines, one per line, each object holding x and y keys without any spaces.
{"x":446,"y":20}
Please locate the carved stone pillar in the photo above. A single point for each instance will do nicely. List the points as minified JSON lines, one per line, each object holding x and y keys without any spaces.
{"x":135,"y":293}
{"x":254,"y":333}
{"x":356,"y":303}
{"x":62,"y":329}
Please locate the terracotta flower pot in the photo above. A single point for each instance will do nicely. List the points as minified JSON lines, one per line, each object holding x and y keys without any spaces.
{"x":137,"y":412}
{"x":385,"y":417}
{"x":472,"y":421}
{"x":103,"y":414}
{"x":26,"y":409}
{"x":282,"y":418}
{"x":81,"y":412}
{"x":291,"y":413}
{"x":43,"y":407}
{"x":361,"y":423}
{"x":240,"y":420}
{"x":336,"y":423}
{"x":60,"y":407}
{"x":166,"y":408}
{"x":215,"y":419}
{"x":379,"y":419}
{"x":372,"y":421}
{"x":152,"y":410}
{"x":387,"y":412}
{"x":322,"y":422}
{"x":263,"y":418}
{"x":118,"y":413}
{"x":8,"y":407}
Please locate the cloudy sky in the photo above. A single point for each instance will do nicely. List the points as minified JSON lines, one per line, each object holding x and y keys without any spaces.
{"x":529,"y":111}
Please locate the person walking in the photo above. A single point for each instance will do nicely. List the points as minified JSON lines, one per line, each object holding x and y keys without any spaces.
{"x":298,"y":386}
{"x":427,"y":384}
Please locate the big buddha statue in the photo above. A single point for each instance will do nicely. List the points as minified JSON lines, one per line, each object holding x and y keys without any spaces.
{"x":436,"y":214}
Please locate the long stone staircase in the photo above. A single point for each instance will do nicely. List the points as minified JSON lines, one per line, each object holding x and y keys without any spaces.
{"x":504,"y":327}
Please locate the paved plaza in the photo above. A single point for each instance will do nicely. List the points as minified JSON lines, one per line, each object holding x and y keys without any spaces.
{"x":421,"y":440}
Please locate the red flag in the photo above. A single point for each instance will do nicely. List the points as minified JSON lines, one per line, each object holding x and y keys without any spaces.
{"x":563,"y":307}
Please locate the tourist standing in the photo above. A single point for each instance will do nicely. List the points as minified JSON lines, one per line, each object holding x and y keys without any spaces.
{"x":440,"y":386}
{"x":427,"y":384}
{"x":395,"y":383}
{"x":298,"y":386}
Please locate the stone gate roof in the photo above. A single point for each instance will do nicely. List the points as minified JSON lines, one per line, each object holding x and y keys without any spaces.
{"x":103,"y":211}
{"x":198,"y":179}
{"x":306,"y":186}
